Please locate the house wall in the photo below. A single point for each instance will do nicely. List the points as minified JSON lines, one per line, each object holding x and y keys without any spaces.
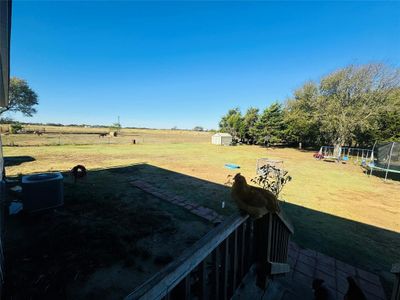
{"x":5,"y":33}
{"x":2,"y":215}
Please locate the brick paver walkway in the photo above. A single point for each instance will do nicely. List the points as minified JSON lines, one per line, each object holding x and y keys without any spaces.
{"x":201,"y":211}
{"x":308,"y":264}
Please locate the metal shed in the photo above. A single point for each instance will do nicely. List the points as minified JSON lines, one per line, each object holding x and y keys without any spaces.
{"x":221,"y":138}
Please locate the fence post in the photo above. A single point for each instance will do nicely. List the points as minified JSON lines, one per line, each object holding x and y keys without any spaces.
{"x":390,"y":157}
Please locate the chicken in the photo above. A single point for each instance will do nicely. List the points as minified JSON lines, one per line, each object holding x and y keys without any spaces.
{"x":354,"y":292}
{"x":253,"y":200}
{"x":321,"y":292}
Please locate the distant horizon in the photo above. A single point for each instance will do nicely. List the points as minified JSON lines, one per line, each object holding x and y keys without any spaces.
{"x":55,"y":124}
{"x":163,"y":64}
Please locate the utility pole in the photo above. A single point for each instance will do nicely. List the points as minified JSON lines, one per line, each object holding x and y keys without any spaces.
{"x":119,"y":126}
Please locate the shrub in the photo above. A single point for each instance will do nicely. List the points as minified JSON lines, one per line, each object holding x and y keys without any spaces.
{"x":15,"y":128}
{"x":272,"y":179}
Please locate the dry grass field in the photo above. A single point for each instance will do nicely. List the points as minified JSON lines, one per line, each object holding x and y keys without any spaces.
{"x":335,"y":208}
{"x":68,"y":135}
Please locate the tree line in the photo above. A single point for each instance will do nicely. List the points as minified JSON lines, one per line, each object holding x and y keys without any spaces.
{"x":353,"y":106}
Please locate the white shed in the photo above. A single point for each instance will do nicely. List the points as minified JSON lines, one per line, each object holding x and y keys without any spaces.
{"x":221,"y":139}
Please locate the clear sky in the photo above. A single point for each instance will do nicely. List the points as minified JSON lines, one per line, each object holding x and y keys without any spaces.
{"x":165,"y":64}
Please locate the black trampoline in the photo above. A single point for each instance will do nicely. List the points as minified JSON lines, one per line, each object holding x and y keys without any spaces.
{"x":385,"y":158}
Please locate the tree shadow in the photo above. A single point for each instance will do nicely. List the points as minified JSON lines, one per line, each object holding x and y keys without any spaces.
{"x":10,"y":161}
{"x":107,"y":223}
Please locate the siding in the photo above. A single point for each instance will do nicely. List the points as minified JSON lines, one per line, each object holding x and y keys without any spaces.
{"x":5,"y":33}
{"x":218,"y":139}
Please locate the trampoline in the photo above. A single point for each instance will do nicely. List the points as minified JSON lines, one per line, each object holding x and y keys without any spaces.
{"x":385,"y":158}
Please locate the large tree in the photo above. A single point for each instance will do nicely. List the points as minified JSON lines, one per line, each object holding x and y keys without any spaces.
{"x":352,"y":98}
{"x":355,"y":105}
{"x":249,"y":130}
{"x":232,"y":123}
{"x":271,"y":125}
{"x":21,"y":98}
{"x":387,"y":127}
{"x":300,"y":115}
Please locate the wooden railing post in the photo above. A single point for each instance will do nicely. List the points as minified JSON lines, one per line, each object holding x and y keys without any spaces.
{"x":271,"y":241}
{"x":203,"y":279}
{"x":262,"y":246}
{"x":396,"y":287}
{"x":216,"y":276}
{"x":250,"y":245}
{"x":234,"y":263}
{"x":224,"y":269}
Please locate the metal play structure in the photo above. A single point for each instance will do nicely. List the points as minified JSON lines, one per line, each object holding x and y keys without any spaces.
{"x":358,"y":155}
{"x":261,"y":162}
{"x":385,"y":158}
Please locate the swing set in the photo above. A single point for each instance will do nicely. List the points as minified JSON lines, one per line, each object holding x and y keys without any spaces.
{"x":345,"y":154}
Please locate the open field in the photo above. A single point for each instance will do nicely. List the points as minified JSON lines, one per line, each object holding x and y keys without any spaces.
{"x":54,"y":135}
{"x":335,"y":208}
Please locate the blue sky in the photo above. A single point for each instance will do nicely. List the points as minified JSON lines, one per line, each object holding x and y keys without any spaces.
{"x":165,"y":64}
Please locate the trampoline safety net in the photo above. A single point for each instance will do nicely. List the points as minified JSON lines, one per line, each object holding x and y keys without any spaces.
{"x":387,"y":155}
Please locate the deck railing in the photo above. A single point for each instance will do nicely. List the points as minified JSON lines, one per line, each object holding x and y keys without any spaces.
{"x":396,"y":287}
{"x":272,"y":233}
{"x":3,"y":212}
{"x":214,"y":267}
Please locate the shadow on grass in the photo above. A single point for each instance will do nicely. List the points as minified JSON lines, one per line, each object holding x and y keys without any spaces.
{"x":106,"y":221}
{"x":10,"y":161}
{"x":381,"y":174}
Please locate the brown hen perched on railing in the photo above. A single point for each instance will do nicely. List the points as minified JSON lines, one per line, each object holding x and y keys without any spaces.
{"x":253,"y":200}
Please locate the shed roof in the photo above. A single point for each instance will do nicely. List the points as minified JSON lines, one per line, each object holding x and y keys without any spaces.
{"x":222,"y":134}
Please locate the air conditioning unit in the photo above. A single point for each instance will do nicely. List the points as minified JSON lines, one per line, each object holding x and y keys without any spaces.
{"x":42,"y":191}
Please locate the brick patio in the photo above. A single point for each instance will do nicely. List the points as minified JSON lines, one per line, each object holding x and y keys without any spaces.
{"x":200,"y":211}
{"x":308,"y":264}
